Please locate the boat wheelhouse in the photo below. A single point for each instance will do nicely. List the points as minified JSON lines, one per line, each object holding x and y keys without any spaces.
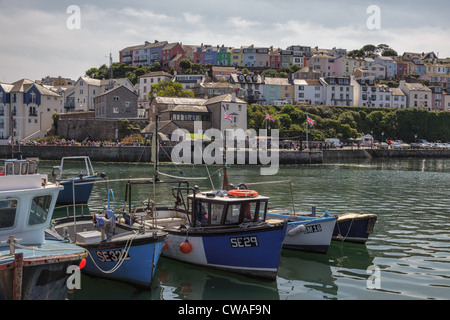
{"x":32,"y":265}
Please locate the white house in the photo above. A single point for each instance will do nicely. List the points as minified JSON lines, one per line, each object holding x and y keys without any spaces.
{"x":398,"y":99}
{"x":309,"y":91}
{"x":145,"y":83}
{"x":418,"y":95}
{"x":338,"y":91}
{"x":86,"y":89}
{"x":27,"y":107}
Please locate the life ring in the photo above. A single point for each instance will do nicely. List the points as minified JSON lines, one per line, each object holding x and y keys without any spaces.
{"x":242,"y":193}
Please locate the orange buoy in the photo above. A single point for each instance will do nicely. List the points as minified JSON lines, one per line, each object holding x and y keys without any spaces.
{"x":185,"y":247}
{"x":82,"y":263}
{"x":242,"y":193}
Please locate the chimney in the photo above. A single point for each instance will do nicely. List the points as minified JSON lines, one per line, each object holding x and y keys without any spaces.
{"x":233,"y":97}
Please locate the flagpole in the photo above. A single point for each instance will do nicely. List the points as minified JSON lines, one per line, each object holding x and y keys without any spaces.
{"x":307,"y":125}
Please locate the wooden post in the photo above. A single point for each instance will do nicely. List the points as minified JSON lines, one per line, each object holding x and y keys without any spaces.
{"x":17,"y":276}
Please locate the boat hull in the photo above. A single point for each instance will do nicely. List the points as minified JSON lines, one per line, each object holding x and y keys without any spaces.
{"x":355,"y":228}
{"x":126,"y":256}
{"x":315,"y":238}
{"x":43,"y":274}
{"x":83,"y":191}
{"x":314,"y":233}
{"x":138,"y":267}
{"x":252,"y":252}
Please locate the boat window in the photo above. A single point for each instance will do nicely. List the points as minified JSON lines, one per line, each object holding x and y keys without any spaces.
{"x":9,"y":168}
{"x":233,"y":213}
{"x":216,"y":213}
{"x":17,"y":169}
{"x":39,"y":209}
{"x":7,"y":213}
{"x":24,"y":168}
{"x":250,"y":210}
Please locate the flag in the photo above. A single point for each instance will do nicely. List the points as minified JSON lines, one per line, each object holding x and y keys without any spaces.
{"x":227,"y":116}
{"x":310,"y":120}
{"x":269,"y":117}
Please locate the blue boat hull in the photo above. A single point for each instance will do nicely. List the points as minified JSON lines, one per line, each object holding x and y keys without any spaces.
{"x":354,"y":227}
{"x":82,"y":191}
{"x":137,"y":269}
{"x":253,"y":253}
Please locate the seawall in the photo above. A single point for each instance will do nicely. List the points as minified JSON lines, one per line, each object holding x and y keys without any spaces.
{"x":143,"y":154}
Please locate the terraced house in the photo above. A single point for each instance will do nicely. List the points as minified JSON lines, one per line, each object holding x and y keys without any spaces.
{"x":26,"y":110}
{"x":145,"y":55}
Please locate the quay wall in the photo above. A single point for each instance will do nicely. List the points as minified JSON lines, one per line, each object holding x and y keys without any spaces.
{"x":143,"y":154}
{"x":138,"y":154}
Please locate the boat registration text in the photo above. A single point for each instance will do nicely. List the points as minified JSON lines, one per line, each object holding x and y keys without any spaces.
{"x":243,"y":242}
{"x":112,"y":255}
{"x":313,"y":228}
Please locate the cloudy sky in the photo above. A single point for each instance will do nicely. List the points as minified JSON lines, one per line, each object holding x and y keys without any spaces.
{"x":36,"y":40}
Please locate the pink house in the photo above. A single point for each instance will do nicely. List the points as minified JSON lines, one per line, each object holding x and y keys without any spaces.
{"x":172,"y":54}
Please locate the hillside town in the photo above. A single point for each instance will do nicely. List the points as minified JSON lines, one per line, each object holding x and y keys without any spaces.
{"x":236,"y":79}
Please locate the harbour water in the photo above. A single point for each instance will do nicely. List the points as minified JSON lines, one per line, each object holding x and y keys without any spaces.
{"x":407,"y":256}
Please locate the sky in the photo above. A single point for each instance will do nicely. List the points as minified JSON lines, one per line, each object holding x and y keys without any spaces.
{"x":42,"y":38}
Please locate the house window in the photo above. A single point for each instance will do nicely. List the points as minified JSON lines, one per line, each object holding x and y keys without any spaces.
{"x":115,"y":110}
{"x":32,"y":97}
{"x":116,"y":98}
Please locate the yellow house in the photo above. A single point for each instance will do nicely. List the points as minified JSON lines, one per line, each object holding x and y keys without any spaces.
{"x":237,"y":57}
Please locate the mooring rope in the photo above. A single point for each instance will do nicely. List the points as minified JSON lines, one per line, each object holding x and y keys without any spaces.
{"x":122,"y":258}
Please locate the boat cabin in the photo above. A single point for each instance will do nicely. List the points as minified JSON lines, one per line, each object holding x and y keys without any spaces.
{"x":26,"y":202}
{"x":209,"y":209}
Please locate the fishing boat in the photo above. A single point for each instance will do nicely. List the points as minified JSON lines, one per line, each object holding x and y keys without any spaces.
{"x":354,"y":227}
{"x":77,"y":188}
{"x":32,"y":265}
{"x":304,"y":233}
{"x":116,"y":251}
{"x":218,"y":229}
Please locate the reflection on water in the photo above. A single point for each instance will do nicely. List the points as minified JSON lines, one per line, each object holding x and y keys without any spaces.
{"x":410,"y":244}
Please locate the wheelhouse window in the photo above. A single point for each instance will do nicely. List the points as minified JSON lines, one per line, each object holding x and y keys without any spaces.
{"x":39,"y":209}
{"x":8,"y":210}
{"x":209,"y":212}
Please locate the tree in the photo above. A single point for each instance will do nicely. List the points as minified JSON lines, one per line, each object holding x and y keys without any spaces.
{"x":169,"y":89}
{"x":369,"y":50}
{"x":389,"y":53}
{"x":185,"y":64}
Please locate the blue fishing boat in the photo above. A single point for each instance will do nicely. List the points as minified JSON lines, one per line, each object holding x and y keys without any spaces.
{"x":304,"y":233}
{"x":354,"y":227}
{"x":32,"y":265}
{"x":78,"y":186}
{"x":116,"y":251}
{"x":223,"y":229}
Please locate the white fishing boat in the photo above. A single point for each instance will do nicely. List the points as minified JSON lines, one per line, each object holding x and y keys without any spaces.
{"x":32,"y":265}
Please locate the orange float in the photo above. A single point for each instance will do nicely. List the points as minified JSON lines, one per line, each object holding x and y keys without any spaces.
{"x":242,"y":193}
{"x":185,"y":247}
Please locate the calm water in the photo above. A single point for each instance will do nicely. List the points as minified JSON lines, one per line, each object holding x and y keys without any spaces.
{"x":408,"y":253}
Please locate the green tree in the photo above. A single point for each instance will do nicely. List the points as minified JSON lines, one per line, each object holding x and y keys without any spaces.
{"x":389,"y":53}
{"x":169,"y":89}
{"x":185,"y":64}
